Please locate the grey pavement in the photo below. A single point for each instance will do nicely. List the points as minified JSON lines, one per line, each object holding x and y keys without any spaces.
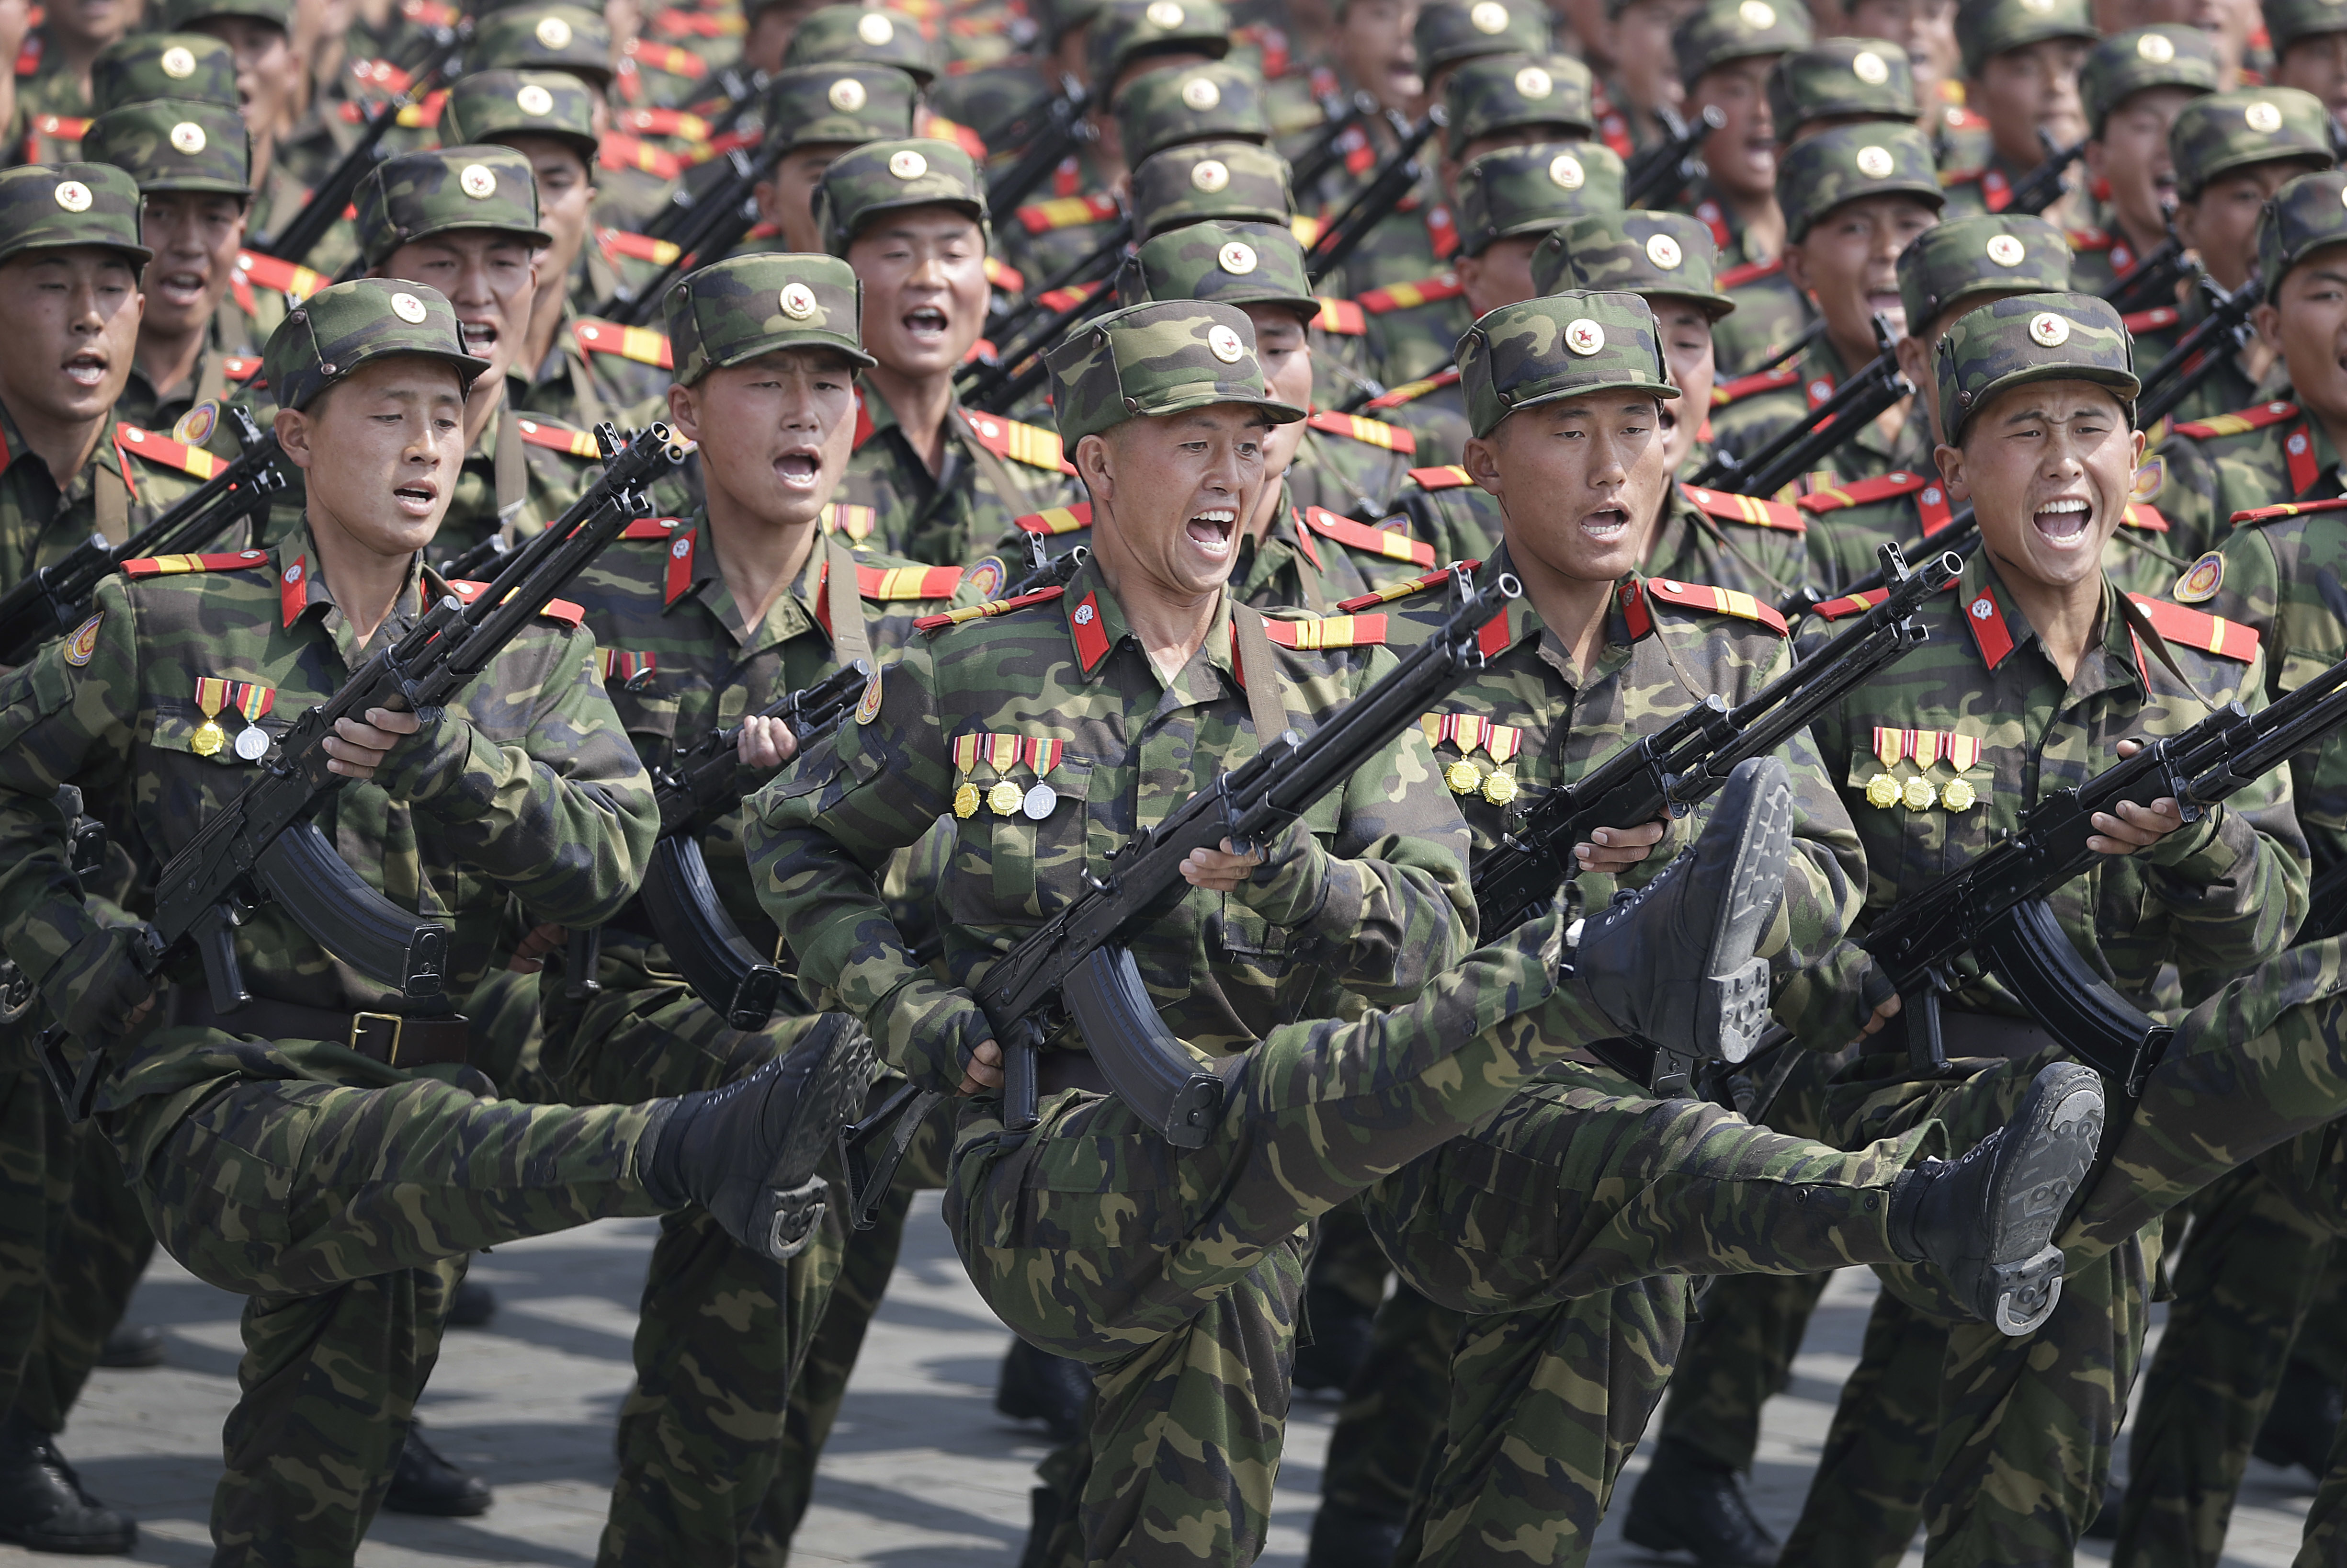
{"x":921,"y":1473}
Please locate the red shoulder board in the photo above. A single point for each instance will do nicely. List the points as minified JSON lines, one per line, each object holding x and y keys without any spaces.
{"x":1401,"y":589}
{"x":1341,"y":316}
{"x":2138,"y":514}
{"x":621,"y":151}
{"x":1374,"y":432}
{"x":1758,"y":381}
{"x":1402,"y":296}
{"x":664,"y":122}
{"x":1412,"y":391}
{"x":2286,"y":509}
{"x":1330,"y":631}
{"x":2256,"y":418}
{"x":560,"y":609}
{"x":1028,"y":443}
{"x":961,"y":135}
{"x":1448,"y":478}
{"x":171,"y":566}
{"x":1004,"y":277}
{"x":1866,"y":492}
{"x":283,"y":276}
{"x":651,"y":529}
{"x":1850,"y":604}
{"x":1718,"y":600}
{"x":618,"y":242}
{"x":2089,"y":239}
{"x":559,"y":438}
{"x":668,"y":57}
{"x":1061,"y":299}
{"x":939,"y":623}
{"x":894,"y":582}
{"x":238,"y":367}
{"x":1057,"y":520}
{"x":1952,"y":178}
{"x":1390,"y":543}
{"x":2156,"y":319}
{"x":2210,"y":634}
{"x":162,"y":449}
{"x":1066,"y":212}
{"x":1750,"y":509}
{"x":60,"y":128}
{"x":1750,"y":272}
{"x":641,"y":344}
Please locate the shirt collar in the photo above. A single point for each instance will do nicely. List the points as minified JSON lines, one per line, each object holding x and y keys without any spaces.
{"x":1096,"y":625}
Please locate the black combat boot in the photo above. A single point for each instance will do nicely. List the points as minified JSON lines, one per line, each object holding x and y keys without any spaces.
{"x":747,"y":1152}
{"x":1346,"y":1538}
{"x":1986,"y":1220}
{"x":132,"y":1347}
{"x":1672,"y":963}
{"x":43,"y":1507}
{"x":426,"y":1483}
{"x":2302,"y":1422}
{"x":471,"y":1306}
{"x":1037,"y":1386}
{"x":1689,"y":1502}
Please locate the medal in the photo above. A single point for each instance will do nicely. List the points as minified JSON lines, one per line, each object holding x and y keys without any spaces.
{"x":1882,"y":791}
{"x":1917,"y":795}
{"x":253,"y":744}
{"x":1463,"y":777}
{"x":1005,"y":797}
{"x":1500,"y":787}
{"x":212,"y":696}
{"x":1959,"y":795}
{"x":1039,"y":802}
{"x":208,"y":739}
{"x":965,"y":800}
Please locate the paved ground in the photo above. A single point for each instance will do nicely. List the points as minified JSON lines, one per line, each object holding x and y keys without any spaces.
{"x":922,"y":1474}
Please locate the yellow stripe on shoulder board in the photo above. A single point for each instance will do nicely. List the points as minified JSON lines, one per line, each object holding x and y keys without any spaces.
{"x":846,"y":517}
{"x":908,"y":581}
{"x":1334,"y":632}
{"x":558,"y":439}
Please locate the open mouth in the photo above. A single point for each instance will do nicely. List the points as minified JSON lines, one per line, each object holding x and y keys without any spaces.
{"x":926,"y":324}
{"x":182,"y":286}
{"x":2064,"y":521}
{"x":1606,"y":523}
{"x":416,"y":499}
{"x":1213,"y":527}
{"x":480,"y":337}
{"x":86,"y":368}
{"x":797,"y":469}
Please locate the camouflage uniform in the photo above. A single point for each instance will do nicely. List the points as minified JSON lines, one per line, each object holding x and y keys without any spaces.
{"x":1494,"y":93}
{"x":1988,"y":28}
{"x":2117,"y":68}
{"x":1840,"y":76}
{"x":1217,"y":101}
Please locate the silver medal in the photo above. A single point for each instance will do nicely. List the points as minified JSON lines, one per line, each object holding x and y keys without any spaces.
{"x":1039,"y":802}
{"x":252,"y":742}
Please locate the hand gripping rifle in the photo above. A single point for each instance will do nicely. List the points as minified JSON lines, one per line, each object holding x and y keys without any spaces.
{"x":48,"y":602}
{"x":1995,"y":907}
{"x":1376,"y":201}
{"x":1076,"y":966}
{"x":1856,"y":403}
{"x":1664,"y":170}
{"x":266,"y":842}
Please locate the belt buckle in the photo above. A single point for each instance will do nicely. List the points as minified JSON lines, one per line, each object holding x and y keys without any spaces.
{"x":397,"y":1023}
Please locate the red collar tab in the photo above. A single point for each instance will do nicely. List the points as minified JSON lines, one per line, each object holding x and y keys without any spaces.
{"x":1819,"y":390}
{"x":679,"y":566}
{"x":1636,"y":614}
{"x":1989,"y":630}
{"x":1091,"y":638}
{"x":1716,"y":220}
{"x":1441,"y":233}
{"x":863,"y":425}
{"x":1996,"y":190}
{"x":2298,"y":450}
{"x":293,"y":591}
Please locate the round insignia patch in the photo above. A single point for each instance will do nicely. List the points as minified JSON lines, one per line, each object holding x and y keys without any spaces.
{"x":2201,"y":579}
{"x":2006,"y":251}
{"x":846,"y":95}
{"x":1874,"y":163}
{"x":1237,"y":258}
{"x":986,"y":578}
{"x":1868,"y":67}
{"x":1565,"y":172}
{"x":554,"y":33}
{"x":2155,"y":48}
{"x":293,"y":572}
{"x":534,"y":99}
{"x":177,"y":63}
{"x":1210,"y":175}
{"x":2263,"y":117}
{"x":1982,"y":610}
{"x":1489,"y":17}
{"x":1664,"y":251}
{"x":1083,"y":615}
{"x":73,"y":196}
{"x":1820,"y":391}
{"x":875,"y":29}
{"x":2150,"y":479}
{"x":908,"y":164}
{"x":2297,"y":444}
{"x":2048,"y":330}
{"x":1531,"y":82}
{"x":195,"y":426}
{"x":681,"y":548}
{"x":1758,"y":14}
{"x":1931,"y":495}
{"x":83,"y":644}
{"x":1583,"y":336}
{"x":478,"y":181}
{"x":407,"y":308}
{"x":1224,"y":344}
{"x":1164,"y":16}
{"x":1200,"y":93}
{"x":188,"y":137}
{"x":797,"y":302}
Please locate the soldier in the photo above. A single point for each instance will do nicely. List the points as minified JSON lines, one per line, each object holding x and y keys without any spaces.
{"x":1837,"y":82}
{"x":2021,"y":75}
{"x":820,"y":112}
{"x":1216,"y":101}
{"x":62,"y":48}
{"x":2308,"y":54}
{"x":943,"y":484}
{"x":2134,"y":86}
{"x":2036,"y":666}
{"x":270,"y":85}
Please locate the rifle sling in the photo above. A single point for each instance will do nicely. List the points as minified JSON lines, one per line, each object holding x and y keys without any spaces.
{"x":110,"y":496}
{"x":851,"y":642}
{"x":511,"y":467}
{"x":1260,"y":672}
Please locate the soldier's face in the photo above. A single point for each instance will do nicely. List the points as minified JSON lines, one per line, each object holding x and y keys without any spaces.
{"x":93,"y":23}
{"x":268,"y":72}
{"x":489,"y":278}
{"x":1848,"y":263}
{"x":194,"y":235}
{"x":2308,"y":322}
{"x":2132,"y":155}
{"x":1741,"y":154}
{"x":2049,"y":468}
{"x":2318,"y":66}
{"x":775,"y":434}
{"x":924,"y":271}
{"x":787,"y":200}
{"x":1687,"y":347}
{"x":2021,"y":91}
{"x":396,"y":433}
{"x":1577,"y":480}
{"x":566,"y":193}
{"x":71,"y":322}
{"x":1646,"y":68}
{"x":1501,"y":275}
{"x":1169,"y":493}
{"x":2222,"y":223}
{"x":1284,"y":347}
{"x":1375,"y":52}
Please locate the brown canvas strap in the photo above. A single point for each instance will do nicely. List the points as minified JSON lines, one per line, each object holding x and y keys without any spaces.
{"x":851,"y":641}
{"x":111,"y":498}
{"x":1259,"y":672}
{"x":512,"y":467}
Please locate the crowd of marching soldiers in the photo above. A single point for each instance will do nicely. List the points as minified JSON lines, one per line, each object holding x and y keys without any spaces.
{"x":1098,"y":389}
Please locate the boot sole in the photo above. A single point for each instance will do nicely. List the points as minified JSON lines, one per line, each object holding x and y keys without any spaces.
{"x":1736,"y":983}
{"x":77,"y":1546}
{"x":2060,"y":1126}
{"x":831,"y":1069}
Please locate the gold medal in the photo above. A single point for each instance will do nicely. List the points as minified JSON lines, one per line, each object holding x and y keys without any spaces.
{"x":209,"y":739}
{"x":1917,"y":795}
{"x":1462,"y":776}
{"x":1882,"y":791}
{"x":1959,"y":795}
{"x":965,"y":800}
{"x":1499,"y":788}
{"x":1006,"y":798}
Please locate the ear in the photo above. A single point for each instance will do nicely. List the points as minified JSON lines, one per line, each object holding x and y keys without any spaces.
{"x":684,"y":411}
{"x":2139,"y":444}
{"x":1096,"y":465}
{"x":293,"y":434}
{"x":1951,"y":460}
{"x":1797,"y":269}
{"x":2266,"y":319}
{"x":1915,"y":359}
{"x":2187,"y":224}
{"x":1471,"y":273}
{"x":1482,"y":461}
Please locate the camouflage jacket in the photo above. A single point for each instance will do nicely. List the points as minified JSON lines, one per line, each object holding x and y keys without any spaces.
{"x":1749,"y":423}
{"x":552,"y":806}
{"x":1980,"y":701}
{"x":994,"y":470}
{"x":1370,"y":901}
{"x":598,"y":369}
{"x":126,"y":484}
{"x":220,"y":374}
{"x":1310,"y":558}
{"x":2257,"y":457}
{"x":1434,"y":411}
{"x":1354,"y":465}
{"x":1413,"y":331}
{"x":1988,"y":186}
{"x":1416,"y":241}
{"x":1069,"y":219}
{"x":1769,"y":312}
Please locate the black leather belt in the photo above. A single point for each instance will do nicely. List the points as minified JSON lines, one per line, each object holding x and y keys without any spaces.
{"x":391,"y":1039}
{"x":1060,"y":1070}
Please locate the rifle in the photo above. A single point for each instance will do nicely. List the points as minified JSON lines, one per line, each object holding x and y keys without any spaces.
{"x":1664,"y":170}
{"x":332,"y":197}
{"x":995,"y":388}
{"x":2041,"y":186}
{"x":711,"y":226}
{"x":50,"y":601}
{"x":1376,"y":200}
{"x":1008,"y":327}
{"x":2201,"y":351}
{"x":1858,"y":400}
{"x":1995,"y":906}
{"x":266,"y":843}
{"x":1340,"y":114}
{"x":2152,"y":282}
{"x":1062,"y":130}
{"x":1075,"y":965}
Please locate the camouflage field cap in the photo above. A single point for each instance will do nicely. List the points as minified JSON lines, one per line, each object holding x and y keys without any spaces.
{"x":2288,"y":21}
{"x":2031,"y":337}
{"x":1511,"y":92}
{"x":884,"y":176}
{"x":178,"y":16}
{"x":1985,"y":28}
{"x":865,"y":36}
{"x":169,"y":144}
{"x":192,"y":66}
{"x":2168,"y":55}
{"x":55,"y":206}
{"x":1162,"y":358}
{"x":1966,"y":258}
{"x":543,"y":38}
{"x":1819,"y":174}
{"x":1449,"y":31}
{"x":2224,"y":131}
{"x":850,"y":104}
{"x":1723,"y":31}
{"x":1841,"y":76}
{"x":1230,"y":179}
{"x":2306,"y":215}
{"x":1559,"y":346}
{"x":328,"y":336}
{"x":1634,"y":253}
{"x":1217,"y":102}
{"x":1532,"y":189}
{"x":489,"y":106}
{"x":733,"y":310}
{"x":1124,"y":31}
{"x":445,"y":188}
{"x":1237,"y":264}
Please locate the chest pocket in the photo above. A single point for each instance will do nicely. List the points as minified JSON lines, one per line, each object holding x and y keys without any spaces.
{"x":1919,"y":834}
{"x":1018,"y":869}
{"x":178,"y":722}
{"x":1237,"y":931}
{"x":648,"y":705}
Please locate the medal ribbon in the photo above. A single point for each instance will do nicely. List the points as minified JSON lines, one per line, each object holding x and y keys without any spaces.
{"x":1002,"y":752}
{"x":1926,"y":747}
{"x":1469,"y":732}
{"x":250,"y":700}
{"x":211,"y":695}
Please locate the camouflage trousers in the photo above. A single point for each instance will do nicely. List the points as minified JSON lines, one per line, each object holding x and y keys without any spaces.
{"x":722,"y":1330}
{"x":344,"y":1215}
{"x":1395,"y":1400}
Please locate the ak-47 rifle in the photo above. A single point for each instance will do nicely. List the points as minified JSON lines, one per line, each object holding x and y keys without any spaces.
{"x":1338,"y":115}
{"x":2152,"y":282}
{"x":1995,"y":908}
{"x":742,"y":90}
{"x":1063,"y":130}
{"x":1010,"y":328}
{"x":1662,"y":173}
{"x":1855,"y":404}
{"x":1075,"y":967}
{"x":715,"y":225}
{"x":265,"y":842}
{"x":1377,"y":199}
{"x":998,"y":386}
{"x":2041,"y":186}
{"x":332,"y":197}
{"x":53,"y":599}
